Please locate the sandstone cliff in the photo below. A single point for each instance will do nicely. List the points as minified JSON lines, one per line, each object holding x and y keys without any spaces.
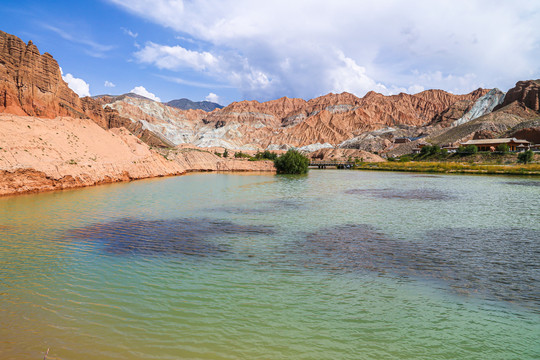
{"x":32,"y":84}
{"x":526,"y":93}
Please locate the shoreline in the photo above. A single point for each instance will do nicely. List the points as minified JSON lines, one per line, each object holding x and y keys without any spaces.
{"x":454,"y":168}
{"x":59,"y":185}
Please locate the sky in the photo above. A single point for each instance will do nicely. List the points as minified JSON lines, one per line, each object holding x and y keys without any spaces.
{"x":233,"y":50}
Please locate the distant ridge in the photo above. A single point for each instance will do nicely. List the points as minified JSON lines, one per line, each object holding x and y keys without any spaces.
{"x":186,"y":104}
{"x":120,"y":97}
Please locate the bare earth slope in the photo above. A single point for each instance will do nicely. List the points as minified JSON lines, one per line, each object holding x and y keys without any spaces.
{"x":46,"y":154}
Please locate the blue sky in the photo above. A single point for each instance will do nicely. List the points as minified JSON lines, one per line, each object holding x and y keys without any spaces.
{"x":231,"y":50}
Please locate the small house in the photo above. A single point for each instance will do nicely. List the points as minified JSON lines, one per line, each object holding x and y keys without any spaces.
{"x":491,"y":144}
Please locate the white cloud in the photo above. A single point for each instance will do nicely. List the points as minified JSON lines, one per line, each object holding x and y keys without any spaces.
{"x":212,"y":98}
{"x":130,"y":33}
{"x":91,"y":47}
{"x":352,"y":78}
{"x":140,"y":90}
{"x":78,"y":85}
{"x":306,"y":48}
{"x":109,"y":84}
{"x":175,"y":57}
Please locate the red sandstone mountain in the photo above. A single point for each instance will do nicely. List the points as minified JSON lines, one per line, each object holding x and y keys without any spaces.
{"x":526,"y":93}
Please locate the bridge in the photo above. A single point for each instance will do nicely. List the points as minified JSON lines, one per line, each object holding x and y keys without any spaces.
{"x":323,"y":164}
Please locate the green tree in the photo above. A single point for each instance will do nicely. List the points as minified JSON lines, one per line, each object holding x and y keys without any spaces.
{"x":525,"y":157}
{"x":467,"y":150}
{"x":269,"y":155}
{"x":504,"y":148}
{"x":226,"y":153}
{"x":292,"y":162}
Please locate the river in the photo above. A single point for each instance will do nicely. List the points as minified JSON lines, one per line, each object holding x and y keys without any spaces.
{"x":332,"y":265}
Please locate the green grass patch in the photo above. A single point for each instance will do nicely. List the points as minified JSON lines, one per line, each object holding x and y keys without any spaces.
{"x":453,"y":167}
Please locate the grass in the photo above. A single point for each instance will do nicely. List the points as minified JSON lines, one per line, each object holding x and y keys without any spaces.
{"x":453,"y":168}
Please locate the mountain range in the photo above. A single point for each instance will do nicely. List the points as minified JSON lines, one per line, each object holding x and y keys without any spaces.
{"x":334,"y":125}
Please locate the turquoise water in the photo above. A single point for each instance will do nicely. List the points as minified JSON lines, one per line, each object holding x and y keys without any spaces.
{"x":333,"y":265}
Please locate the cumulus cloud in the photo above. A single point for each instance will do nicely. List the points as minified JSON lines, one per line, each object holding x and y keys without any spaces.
{"x":109,"y":84}
{"x":212,"y":98}
{"x":307,"y":48}
{"x":140,"y":90}
{"x":175,"y":57}
{"x":78,"y":85}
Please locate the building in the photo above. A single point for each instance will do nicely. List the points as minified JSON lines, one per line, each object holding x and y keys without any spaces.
{"x":402,"y":140}
{"x":491,"y":144}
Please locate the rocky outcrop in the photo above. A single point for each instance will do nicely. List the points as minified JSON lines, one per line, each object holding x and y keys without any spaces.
{"x":491,"y":125}
{"x":482,"y":106}
{"x":527,"y":130}
{"x":31,"y":83}
{"x":526,"y":93}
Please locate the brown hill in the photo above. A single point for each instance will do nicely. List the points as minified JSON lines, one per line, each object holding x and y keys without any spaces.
{"x":525,"y":92}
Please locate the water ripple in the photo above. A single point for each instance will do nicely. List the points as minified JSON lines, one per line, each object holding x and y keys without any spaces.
{"x":172,"y":236}
{"x":502,"y":263}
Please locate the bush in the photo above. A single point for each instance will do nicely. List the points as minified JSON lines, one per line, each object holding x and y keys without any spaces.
{"x":504,"y":148}
{"x":525,"y":157}
{"x":226,"y":153}
{"x":266,"y":155}
{"x":467,"y":150}
{"x":405,"y":158}
{"x":430,"y":150}
{"x":240,"y":154}
{"x":218,"y":154}
{"x":292,"y":162}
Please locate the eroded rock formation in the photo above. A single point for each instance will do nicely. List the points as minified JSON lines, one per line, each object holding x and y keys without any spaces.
{"x":526,"y":93}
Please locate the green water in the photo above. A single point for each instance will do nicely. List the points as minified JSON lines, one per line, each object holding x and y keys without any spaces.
{"x":333,"y":265}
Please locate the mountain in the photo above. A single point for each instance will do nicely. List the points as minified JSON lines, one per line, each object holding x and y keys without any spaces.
{"x":52,"y":139}
{"x":323,"y":122}
{"x":186,"y":104}
{"x":514,"y":115}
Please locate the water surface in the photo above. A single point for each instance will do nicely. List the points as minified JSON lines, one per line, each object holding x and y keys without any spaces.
{"x":333,"y":265}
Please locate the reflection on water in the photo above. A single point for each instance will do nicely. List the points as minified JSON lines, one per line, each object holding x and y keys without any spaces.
{"x":172,"y":236}
{"x":493,"y":262}
{"x":396,"y":193}
{"x":261,"y":207}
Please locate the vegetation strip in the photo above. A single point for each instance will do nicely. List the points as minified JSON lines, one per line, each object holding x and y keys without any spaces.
{"x":453,"y":167}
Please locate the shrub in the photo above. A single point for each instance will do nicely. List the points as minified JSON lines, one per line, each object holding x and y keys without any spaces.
{"x":267,"y":155}
{"x":525,"y":157}
{"x":405,"y":159}
{"x":467,"y":150}
{"x":504,"y":148}
{"x":429,"y":150}
{"x":292,"y":162}
{"x":218,"y":154}
{"x":226,"y":153}
{"x":240,"y":154}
